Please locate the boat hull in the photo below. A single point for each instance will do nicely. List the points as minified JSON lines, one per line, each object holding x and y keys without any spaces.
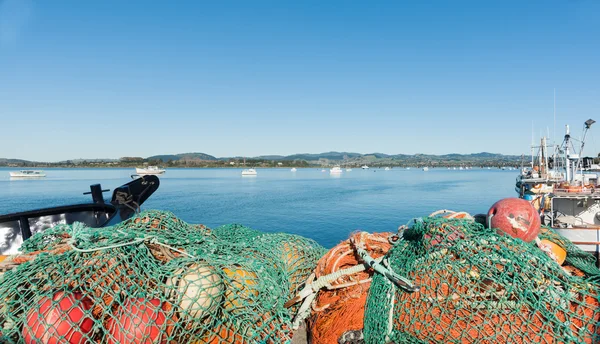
{"x":21,"y":175}
{"x":145,"y":172}
{"x":126,"y":200}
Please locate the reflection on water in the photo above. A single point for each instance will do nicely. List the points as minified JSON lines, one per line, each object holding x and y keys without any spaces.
{"x":26,"y":178}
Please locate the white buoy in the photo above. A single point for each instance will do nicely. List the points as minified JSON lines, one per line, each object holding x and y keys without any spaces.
{"x":199,"y":290}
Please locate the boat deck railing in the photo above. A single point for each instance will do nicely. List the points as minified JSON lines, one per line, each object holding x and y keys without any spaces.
{"x":562,"y":192}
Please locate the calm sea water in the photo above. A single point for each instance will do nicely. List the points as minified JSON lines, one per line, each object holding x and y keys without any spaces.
{"x":307,"y":202}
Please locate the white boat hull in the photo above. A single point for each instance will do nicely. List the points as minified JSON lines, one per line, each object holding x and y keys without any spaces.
{"x":586,"y":239}
{"x":143,"y":171}
{"x":29,"y":175}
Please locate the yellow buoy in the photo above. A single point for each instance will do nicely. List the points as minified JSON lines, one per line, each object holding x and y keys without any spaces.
{"x":290,"y":255}
{"x":241,"y":288}
{"x":199,"y":290}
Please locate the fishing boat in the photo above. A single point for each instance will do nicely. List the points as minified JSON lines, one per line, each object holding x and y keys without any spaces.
{"x":150,"y":170}
{"x":365,"y":167}
{"x":125,"y":202}
{"x":293,"y":169}
{"x":387,"y":169}
{"x":425,"y":169}
{"x":335,"y":170}
{"x":249,"y":172}
{"x":563,"y":191}
{"x":27,"y":174}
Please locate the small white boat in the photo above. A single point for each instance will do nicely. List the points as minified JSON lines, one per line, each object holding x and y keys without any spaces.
{"x":460,"y":168}
{"x":335,"y":170}
{"x":28,"y":174}
{"x":348,"y":170}
{"x":249,"y":172}
{"x":323,"y":170}
{"x":408,"y":168}
{"x":150,"y":170}
{"x":387,"y":168}
{"x":425,"y":168}
{"x":293,"y":169}
{"x":365,"y":167}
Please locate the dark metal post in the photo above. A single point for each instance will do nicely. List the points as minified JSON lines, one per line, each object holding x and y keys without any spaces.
{"x":96,"y":190}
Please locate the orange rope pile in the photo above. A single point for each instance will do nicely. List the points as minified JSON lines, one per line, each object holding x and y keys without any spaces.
{"x":340,"y":308}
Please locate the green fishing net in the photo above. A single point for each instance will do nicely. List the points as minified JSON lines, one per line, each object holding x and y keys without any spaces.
{"x":479,"y":287}
{"x":154,"y":279}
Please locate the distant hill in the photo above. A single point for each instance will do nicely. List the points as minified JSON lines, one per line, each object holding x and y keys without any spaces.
{"x":5,"y":161}
{"x":327,"y":155}
{"x":268,"y":157}
{"x":183,"y":156}
{"x":327,"y":158}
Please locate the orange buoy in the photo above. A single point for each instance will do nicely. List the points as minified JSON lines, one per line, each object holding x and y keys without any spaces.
{"x":61,"y":319}
{"x":140,"y":320}
{"x":560,"y":254}
{"x":515,"y":217}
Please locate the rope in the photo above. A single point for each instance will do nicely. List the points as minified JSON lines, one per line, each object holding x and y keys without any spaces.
{"x":78,"y":227}
{"x":125,"y":199}
{"x":311,"y":288}
{"x":375,"y":264}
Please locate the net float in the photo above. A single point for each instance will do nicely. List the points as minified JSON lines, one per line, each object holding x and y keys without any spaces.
{"x":140,"y":320}
{"x":559,"y":253}
{"x":515,"y":217}
{"x":198,"y":288}
{"x":241,"y":288}
{"x":61,"y":319}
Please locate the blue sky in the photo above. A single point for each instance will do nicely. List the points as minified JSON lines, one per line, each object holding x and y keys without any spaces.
{"x":83,"y":79}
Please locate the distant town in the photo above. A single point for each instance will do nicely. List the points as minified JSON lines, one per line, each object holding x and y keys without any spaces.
{"x":346,"y":159}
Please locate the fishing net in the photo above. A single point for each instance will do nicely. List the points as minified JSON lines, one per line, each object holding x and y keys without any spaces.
{"x":154,"y":279}
{"x":480,"y":287}
{"x":338,"y":309}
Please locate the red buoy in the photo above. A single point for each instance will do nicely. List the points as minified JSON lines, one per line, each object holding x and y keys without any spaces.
{"x":139,"y":321}
{"x":59,"y":321}
{"x":515,"y":217}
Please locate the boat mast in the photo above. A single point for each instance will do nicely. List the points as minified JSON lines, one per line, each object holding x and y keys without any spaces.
{"x":532,"y":147}
{"x":567,"y":162}
{"x":587,"y":124}
{"x":543,"y":158}
{"x":554,"y":161}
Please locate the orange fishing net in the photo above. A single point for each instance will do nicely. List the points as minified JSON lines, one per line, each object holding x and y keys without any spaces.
{"x":340,"y":308}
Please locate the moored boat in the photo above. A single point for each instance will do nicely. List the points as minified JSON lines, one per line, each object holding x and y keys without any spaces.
{"x":28,"y":174}
{"x":126,"y":201}
{"x":563,"y":192}
{"x":335,"y":170}
{"x":150,"y":170}
{"x":249,"y":172}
